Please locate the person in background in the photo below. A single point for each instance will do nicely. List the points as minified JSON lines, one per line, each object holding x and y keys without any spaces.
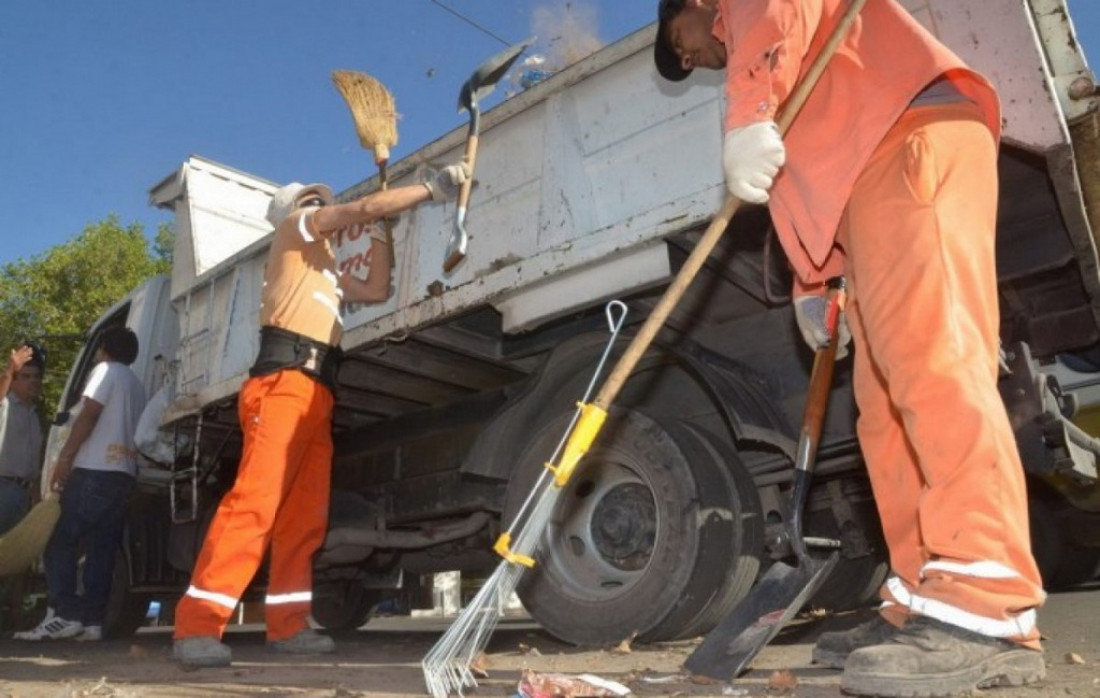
{"x":889,"y":177}
{"x":95,"y":472}
{"x":20,"y":433}
{"x":279,"y":501}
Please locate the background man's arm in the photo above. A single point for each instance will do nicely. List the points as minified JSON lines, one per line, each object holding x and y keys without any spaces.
{"x":79,"y":432}
{"x":19,"y":359}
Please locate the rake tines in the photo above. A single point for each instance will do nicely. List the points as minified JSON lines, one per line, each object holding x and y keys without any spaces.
{"x":448,"y":665}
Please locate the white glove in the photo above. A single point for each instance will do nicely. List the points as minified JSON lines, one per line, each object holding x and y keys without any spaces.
{"x":809,"y":312}
{"x":752,"y":156}
{"x":446,"y":183}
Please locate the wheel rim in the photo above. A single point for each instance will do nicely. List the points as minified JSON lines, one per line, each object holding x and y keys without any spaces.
{"x":604,"y":530}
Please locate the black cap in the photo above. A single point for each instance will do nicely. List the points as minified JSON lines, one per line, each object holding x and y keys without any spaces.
{"x":668,"y":63}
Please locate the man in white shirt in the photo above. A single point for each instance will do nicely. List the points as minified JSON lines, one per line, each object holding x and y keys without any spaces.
{"x":95,"y":471}
{"x":20,"y":433}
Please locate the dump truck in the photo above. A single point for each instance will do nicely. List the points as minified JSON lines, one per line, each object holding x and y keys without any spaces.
{"x":594,"y":184}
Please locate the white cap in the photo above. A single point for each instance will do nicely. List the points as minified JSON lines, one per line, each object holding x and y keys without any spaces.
{"x":285,"y":200}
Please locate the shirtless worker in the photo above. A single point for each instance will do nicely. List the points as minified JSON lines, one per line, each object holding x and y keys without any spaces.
{"x":280,"y":498}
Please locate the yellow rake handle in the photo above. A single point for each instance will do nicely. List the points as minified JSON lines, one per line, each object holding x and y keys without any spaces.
{"x":503,"y":547}
{"x":580,"y":439}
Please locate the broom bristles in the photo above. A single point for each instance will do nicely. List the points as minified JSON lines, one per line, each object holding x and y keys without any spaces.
{"x":26,"y":541}
{"x":372,"y":109}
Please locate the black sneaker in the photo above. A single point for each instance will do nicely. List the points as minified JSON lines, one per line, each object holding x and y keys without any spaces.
{"x":833,"y":648}
{"x":931,"y":659}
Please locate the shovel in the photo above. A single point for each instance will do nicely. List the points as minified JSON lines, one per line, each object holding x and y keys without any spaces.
{"x":480,"y":84}
{"x":784,"y":589}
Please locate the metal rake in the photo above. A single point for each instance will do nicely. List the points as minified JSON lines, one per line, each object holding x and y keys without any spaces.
{"x":448,"y":666}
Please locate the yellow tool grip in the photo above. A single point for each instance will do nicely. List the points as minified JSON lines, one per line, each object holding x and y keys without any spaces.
{"x":504,"y":542}
{"x":582,"y":436}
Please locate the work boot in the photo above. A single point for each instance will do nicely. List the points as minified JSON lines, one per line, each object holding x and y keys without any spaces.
{"x":833,"y":648}
{"x":306,"y":641}
{"x":201,"y":651}
{"x":931,"y":659}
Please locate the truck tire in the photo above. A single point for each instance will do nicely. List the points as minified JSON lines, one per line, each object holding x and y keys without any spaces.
{"x":127,"y":610}
{"x":855,"y":581}
{"x":627,"y":545}
{"x":853,"y":584}
{"x":342,"y":607}
{"x":1062,"y":564}
{"x":722,"y":579}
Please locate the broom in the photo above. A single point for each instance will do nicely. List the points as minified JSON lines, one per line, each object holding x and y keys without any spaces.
{"x":372,"y":110}
{"x":24,"y":543}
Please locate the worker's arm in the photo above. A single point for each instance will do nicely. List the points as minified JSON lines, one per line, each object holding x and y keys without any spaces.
{"x":79,"y":432}
{"x":767,"y":42}
{"x":326,"y":220}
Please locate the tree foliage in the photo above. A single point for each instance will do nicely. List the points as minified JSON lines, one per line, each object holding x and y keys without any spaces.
{"x":53,"y":298}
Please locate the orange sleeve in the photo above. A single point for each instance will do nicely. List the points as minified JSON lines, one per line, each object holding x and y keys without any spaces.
{"x":766,"y":43}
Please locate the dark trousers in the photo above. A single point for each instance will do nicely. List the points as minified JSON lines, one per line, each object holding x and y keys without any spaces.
{"x":93,"y":514}
{"x":15,"y":501}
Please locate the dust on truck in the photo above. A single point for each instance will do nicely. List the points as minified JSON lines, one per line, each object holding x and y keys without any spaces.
{"x":594,"y":185}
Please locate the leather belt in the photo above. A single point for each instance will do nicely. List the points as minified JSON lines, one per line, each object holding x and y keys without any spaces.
{"x":280,"y":349}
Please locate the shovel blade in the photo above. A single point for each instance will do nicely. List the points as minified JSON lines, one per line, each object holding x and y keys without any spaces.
{"x":777,"y":597}
{"x":488,"y":74}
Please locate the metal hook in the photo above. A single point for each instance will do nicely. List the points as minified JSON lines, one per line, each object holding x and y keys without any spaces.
{"x":612,"y":326}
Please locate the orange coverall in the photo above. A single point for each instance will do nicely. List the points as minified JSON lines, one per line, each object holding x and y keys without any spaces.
{"x":280,"y":498}
{"x":902,"y":199}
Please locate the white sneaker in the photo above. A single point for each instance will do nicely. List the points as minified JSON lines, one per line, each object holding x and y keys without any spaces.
{"x":51,"y":628}
{"x":92,"y":633}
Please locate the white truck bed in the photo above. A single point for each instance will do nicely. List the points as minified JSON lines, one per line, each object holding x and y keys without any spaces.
{"x":579,"y":179}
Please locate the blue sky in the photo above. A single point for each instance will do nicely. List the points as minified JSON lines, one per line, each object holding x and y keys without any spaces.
{"x":102,"y":100}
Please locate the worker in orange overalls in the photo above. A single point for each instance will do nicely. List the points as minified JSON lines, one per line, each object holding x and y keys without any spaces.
{"x":280,"y":498}
{"x":889,"y":177}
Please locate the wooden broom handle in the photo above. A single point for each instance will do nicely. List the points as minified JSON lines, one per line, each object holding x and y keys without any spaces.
{"x":470,"y":158}
{"x":638,"y":346}
{"x":387,"y":229}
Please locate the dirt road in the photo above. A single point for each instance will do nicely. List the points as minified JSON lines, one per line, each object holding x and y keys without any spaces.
{"x":383,"y":660}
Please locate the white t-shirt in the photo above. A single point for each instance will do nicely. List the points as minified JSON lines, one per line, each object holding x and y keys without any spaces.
{"x":110,"y":446}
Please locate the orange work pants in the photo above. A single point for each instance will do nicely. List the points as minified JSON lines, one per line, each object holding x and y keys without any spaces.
{"x":918,"y":234}
{"x":279,"y":499}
